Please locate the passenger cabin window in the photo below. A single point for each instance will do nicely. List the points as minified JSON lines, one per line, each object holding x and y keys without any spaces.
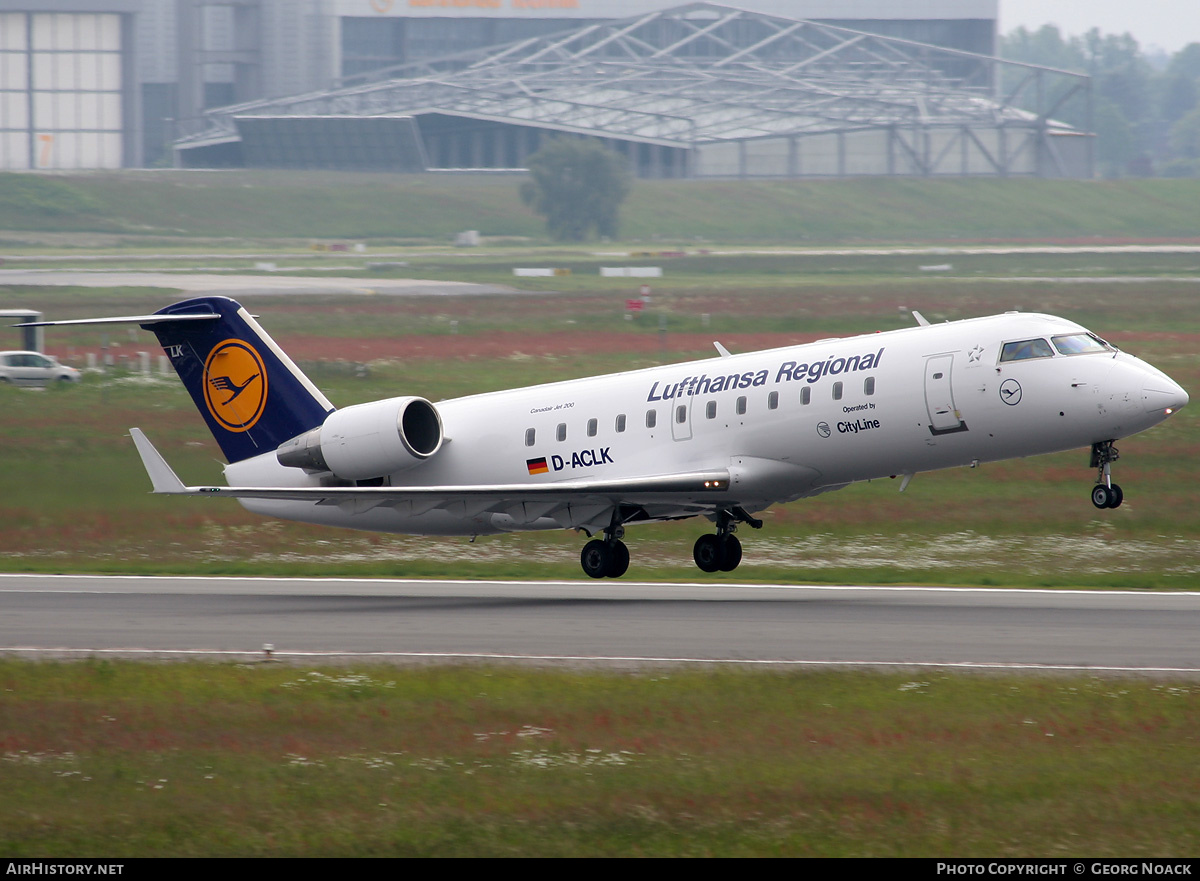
{"x":869,"y":385}
{"x":681,"y":414}
{"x":621,"y":422}
{"x":806,"y":395}
{"x":591,"y":427}
{"x":741,"y":406}
{"x":561,"y":433}
{"x":773,"y":401}
{"x":530,"y":436}
{"x":710,"y":410}
{"x":837,"y":391}
{"x":1079,"y":344}
{"x":651,"y":418}
{"x":1026,"y":349}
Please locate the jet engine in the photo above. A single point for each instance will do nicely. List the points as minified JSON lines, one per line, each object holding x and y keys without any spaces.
{"x":367,"y":441}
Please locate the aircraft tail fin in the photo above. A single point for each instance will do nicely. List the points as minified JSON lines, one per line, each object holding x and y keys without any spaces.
{"x":251,"y":394}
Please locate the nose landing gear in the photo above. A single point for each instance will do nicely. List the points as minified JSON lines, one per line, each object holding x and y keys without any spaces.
{"x":1105,"y":494}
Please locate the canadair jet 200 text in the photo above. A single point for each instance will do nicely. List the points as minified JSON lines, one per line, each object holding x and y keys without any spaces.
{"x":722,"y":438}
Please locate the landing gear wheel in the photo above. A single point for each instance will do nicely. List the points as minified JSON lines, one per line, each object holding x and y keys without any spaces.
{"x":618,"y":563}
{"x":604,"y":559}
{"x":595,"y":558}
{"x":707,"y":553}
{"x":1107,"y":496}
{"x":731,"y":553}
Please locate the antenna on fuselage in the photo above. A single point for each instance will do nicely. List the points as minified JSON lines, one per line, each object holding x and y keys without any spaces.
{"x":921,"y":319}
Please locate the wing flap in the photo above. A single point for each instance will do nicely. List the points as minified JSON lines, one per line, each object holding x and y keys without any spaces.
{"x":697,"y":484}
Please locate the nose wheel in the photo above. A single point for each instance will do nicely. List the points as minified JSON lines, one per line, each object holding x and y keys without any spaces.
{"x":1105,"y":494}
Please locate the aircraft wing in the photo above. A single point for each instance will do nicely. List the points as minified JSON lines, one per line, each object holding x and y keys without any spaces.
{"x":687,"y":490}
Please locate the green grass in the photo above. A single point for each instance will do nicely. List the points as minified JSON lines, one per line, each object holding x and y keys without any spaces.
{"x":122,"y":759}
{"x":262,"y":206}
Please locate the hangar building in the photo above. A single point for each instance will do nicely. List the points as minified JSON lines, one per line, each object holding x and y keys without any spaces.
{"x":112,"y":83}
{"x":700,"y":90}
{"x":68,"y":87}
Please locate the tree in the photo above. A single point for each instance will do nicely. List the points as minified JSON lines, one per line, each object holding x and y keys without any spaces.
{"x":1116,"y":144}
{"x":1186,"y":62}
{"x":578,"y":186}
{"x":1139,"y":110}
{"x":1185,"y":135}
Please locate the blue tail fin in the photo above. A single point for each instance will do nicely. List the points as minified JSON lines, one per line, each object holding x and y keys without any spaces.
{"x":250,"y":393}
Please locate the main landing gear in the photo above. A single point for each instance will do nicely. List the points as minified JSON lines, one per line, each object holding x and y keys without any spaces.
{"x":1105,"y":494}
{"x":606,"y":557}
{"x":723,"y":552}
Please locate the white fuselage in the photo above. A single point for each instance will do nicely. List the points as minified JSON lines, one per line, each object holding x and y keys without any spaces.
{"x":786,"y":423}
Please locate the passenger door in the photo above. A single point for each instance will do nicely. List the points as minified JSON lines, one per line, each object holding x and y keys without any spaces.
{"x":944,"y":417}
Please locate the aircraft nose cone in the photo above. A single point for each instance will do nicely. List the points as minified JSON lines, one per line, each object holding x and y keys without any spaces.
{"x":1162,"y":395}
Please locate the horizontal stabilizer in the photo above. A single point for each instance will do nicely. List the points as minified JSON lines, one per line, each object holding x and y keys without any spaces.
{"x":162,"y":478}
{"x":127,"y":319}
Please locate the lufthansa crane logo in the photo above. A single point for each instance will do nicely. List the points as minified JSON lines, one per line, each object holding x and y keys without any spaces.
{"x":235,"y":385}
{"x":1010,"y":392}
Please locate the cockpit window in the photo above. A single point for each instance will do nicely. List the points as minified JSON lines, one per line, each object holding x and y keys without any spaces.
{"x":1025,"y":349}
{"x":1079,"y":344}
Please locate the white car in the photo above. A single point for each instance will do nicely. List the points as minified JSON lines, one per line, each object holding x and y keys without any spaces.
{"x":34,"y":368}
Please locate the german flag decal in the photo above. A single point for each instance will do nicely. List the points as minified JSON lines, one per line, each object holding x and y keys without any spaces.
{"x":537,"y":466}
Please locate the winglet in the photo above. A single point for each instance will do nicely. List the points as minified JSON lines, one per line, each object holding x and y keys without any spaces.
{"x":162,"y":477}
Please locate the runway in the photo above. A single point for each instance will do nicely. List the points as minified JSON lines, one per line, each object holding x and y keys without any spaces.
{"x":237,"y":284}
{"x":616,"y":623}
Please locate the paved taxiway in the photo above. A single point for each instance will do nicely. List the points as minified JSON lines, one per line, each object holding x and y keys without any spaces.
{"x":623,"y":621}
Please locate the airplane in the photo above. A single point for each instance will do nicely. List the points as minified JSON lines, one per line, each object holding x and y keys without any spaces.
{"x":722,"y":438}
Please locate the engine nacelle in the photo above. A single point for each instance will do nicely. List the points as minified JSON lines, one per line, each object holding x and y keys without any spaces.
{"x":366,"y":441}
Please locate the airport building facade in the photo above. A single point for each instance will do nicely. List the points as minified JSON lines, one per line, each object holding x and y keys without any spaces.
{"x":479,"y":84}
{"x":68,"y":86}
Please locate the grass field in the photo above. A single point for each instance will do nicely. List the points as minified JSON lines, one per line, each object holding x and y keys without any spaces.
{"x":173,"y":208}
{"x":110,"y":759}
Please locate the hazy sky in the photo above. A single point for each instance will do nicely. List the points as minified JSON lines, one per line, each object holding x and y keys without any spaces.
{"x":1168,"y":24}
